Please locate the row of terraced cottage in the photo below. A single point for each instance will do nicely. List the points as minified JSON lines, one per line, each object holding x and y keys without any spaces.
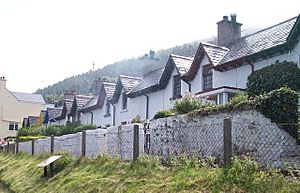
{"x":215,"y":73}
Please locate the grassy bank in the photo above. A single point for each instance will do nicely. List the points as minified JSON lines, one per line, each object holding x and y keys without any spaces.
{"x":19,"y":174}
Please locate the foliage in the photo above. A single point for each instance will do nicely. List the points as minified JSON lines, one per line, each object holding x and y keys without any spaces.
{"x":137,"y":119}
{"x":163,"y":113}
{"x":53,"y":130}
{"x":189,"y":103}
{"x":239,"y":98}
{"x":69,"y":128}
{"x":105,"y":174}
{"x":31,"y":131}
{"x":274,"y":77}
{"x":84,"y":127}
{"x":30,"y":138}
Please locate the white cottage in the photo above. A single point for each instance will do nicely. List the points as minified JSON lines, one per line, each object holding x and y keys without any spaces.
{"x":98,"y":111}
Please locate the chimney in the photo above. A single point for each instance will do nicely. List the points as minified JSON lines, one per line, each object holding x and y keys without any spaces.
{"x":69,"y":95}
{"x":228,"y":30}
{"x":151,"y":54}
{"x":2,"y":82}
{"x":97,"y":86}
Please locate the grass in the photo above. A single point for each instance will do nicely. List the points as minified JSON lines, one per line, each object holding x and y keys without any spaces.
{"x":18,"y":173}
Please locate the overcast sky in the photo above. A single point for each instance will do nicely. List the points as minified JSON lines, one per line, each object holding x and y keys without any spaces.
{"x":45,"y":41}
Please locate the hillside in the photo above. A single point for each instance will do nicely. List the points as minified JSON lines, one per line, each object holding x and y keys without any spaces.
{"x":18,"y":173}
{"x":83,"y":83}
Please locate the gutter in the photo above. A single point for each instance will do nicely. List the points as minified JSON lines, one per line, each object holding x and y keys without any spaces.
{"x":114,"y":114}
{"x":147,"y":105}
{"x":92,"y":118}
{"x":190,"y":86}
{"x":252,"y":66}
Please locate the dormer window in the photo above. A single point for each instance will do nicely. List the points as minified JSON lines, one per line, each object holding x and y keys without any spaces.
{"x":207,"y":75}
{"x":176,"y":86}
{"x":124,"y":101}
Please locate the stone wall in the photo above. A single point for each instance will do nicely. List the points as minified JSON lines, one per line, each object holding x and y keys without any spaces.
{"x":252,"y":134}
{"x":114,"y":141}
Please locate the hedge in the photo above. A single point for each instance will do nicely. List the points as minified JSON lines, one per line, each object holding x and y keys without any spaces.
{"x":274,"y":77}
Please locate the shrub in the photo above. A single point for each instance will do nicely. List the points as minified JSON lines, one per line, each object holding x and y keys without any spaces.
{"x":274,"y":77}
{"x":137,"y":119}
{"x":31,"y":131}
{"x":84,"y":127}
{"x":239,"y":98}
{"x":163,"y":113}
{"x":188,"y":104}
{"x":53,"y":130}
{"x":69,"y":128}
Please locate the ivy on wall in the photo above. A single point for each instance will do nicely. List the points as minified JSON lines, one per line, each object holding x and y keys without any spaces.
{"x":274,"y":77}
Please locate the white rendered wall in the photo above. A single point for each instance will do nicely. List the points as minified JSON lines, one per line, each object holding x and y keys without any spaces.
{"x":197,"y":82}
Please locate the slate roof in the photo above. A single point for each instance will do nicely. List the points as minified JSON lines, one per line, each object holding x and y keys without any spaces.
{"x":109,"y":89}
{"x":54,"y":112}
{"x":26,"y":97}
{"x":182,"y":63}
{"x":129,"y":82}
{"x":81,"y":100}
{"x":215,"y":53}
{"x":150,"y":79}
{"x":259,"y":41}
{"x":93,"y":102}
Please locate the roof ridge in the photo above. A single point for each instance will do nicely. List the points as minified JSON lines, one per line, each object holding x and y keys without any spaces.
{"x":264,"y":29}
{"x":154,"y":71}
{"x":213,"y":45}
{"x":24,"y":93}
{"x":130,"y":77}
{"x":182,"y":57}
{"x":109,"y":83}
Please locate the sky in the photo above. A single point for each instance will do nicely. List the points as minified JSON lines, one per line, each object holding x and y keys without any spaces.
{"x":45,"y":41}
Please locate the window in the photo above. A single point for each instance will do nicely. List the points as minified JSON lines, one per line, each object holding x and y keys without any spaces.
{"x":13,"y":126}
{"x":176,"y":86}
{"x":107,"y":108}
{"x":207,"y":77}
{"x":124,"y":101}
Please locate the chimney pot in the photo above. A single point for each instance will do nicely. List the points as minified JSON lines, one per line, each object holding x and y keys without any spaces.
{"x":228,"y":31}
{"x":225,"y":17}
{"x":233,"y":17}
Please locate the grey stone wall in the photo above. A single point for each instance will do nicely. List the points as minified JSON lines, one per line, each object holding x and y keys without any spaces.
{"x":25,"y":147}
{"x":96,"y":142}
{"x":42,"y":145}
{"x":252,"y":134}
{"x":114,"y":141}
{"x":70,"y":143}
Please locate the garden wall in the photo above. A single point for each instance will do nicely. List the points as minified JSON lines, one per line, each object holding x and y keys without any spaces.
{"x":252,"y":134}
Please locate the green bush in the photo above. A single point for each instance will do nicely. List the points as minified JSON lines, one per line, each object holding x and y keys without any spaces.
{"x":274,"y":77}
{"x":137,"y":119}
{"x":31,"y":131}
{"x":84,"y":127}
{"x":163,"y":113}
{"x":53,"y":130}
{"x":69,"y":128}
{"x":188,"y":104}
{"x":239,"y":98}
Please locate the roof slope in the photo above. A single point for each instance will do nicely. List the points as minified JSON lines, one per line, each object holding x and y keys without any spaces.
{"x":214,"y":53}
{"x":26,"y":97}
{"x":259,"y":41}
{"x":81,"y":100}
{"x":129,"y":82}
{"x":109,"y":89}
{"x":149,"y":80}
{"x":182,"y":63}
{"x":54,"y":112}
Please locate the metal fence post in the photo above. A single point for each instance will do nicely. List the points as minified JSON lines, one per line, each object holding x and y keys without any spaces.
{"x":227,"y":127}
{"x":17,"y":147}
{"x":136,"y":142}
{"x":52,"y":144}
{"x":83,"y":144}
{"x":32,"y":147}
